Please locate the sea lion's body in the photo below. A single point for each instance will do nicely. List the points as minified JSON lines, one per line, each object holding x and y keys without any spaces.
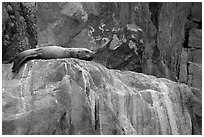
{"x":50,"y":52}
{"x":53,"y":52}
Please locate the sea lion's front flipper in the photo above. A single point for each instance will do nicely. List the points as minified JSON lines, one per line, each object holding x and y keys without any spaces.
{"x":23,"y":57}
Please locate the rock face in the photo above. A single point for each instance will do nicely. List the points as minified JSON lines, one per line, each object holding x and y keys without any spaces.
{"x":167,"y":29}
{"x":191,"y":60}
{"x":19,"y":28}
{"x":71,"y":96}
{"x":171,"y":32}
{"x":90,"y":25}
{"x":59,"y":23}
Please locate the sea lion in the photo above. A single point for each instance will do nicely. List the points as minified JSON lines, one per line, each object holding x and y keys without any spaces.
{"x":50,"y":52}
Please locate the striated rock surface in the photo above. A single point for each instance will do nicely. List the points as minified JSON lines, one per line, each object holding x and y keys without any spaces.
{"x":171,"y":33}
{"x":195,"y":58}
{"x":191,"y":60}
{"x":76,"y":97}
{"x":91,"y":25}
{"x":71,"y":96}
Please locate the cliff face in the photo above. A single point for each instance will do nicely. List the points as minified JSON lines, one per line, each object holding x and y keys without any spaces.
{"x":180,"y":41}
{"x":71,"y":96}
{"x":168,"y":30}
{"x":19,"y":28}
{"x":164,"y":48}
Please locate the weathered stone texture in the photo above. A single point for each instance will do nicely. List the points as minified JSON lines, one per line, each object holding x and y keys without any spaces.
{"x":195,"y":38}
{"x":195,"y":70}
{"x":59,"y":23}
{"x":19,"y":28}
{"x":191,"y":60}
{"x":77,"y":97}
{"x":70,"y":96}
{"x":171,"y":32}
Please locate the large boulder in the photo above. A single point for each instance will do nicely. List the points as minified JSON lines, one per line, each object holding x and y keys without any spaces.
{"x":71,"y":96}
{"x":65,"y":23}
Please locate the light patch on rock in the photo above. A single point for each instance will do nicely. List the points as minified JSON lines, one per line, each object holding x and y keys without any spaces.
{"x":133,"y":27}
{"x":132,"y":45}
{"x":115,"y":43}
{"x":74,"y":8}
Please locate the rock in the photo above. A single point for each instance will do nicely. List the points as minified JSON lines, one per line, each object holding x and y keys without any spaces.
{"x":196,"y":13}
{"x":98,"y":100}
{"x":191,"y":60}
{"x":71,"y":96}
{"x":19,"y":28}
{"x":5,"y":15}
{"x":83,"y":40}
{"x":74,"y":10}
{"x":190,"y":79}
{"x":66,"y":24}
{"x":171,"y":32}
{"x":195,"y":56}
{"x":195,"y":38}
{"x":115,"y":43}
{"x":55,"y":28}
{"x":91,"y":8}
{"x":196,"y":71}
{"x":124,"y":51}
{"x":87,"y":24}
{"x":183,"y":73}
{"x":59,"y":23}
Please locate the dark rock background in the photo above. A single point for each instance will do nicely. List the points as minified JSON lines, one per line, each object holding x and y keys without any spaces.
{"x":160,"y":39}
{"x":19,"y":28}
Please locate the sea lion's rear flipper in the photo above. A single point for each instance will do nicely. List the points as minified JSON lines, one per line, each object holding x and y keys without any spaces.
{"x":23,"y":57}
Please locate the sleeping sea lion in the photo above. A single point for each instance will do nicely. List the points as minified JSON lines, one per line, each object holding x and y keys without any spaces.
{"x":50,"y":52}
